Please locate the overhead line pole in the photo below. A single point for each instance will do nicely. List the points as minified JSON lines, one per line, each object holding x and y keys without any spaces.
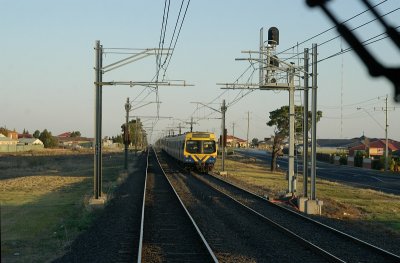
{"x":223,"y":111}
{"x":98,"y":82}
{"x":97,"y":139}
{"x":126,"y":133}
{"x":305,"y":125}
{"x":314,"y":122}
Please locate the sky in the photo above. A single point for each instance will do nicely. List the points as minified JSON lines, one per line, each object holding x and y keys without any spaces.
{"x":47,"y":65}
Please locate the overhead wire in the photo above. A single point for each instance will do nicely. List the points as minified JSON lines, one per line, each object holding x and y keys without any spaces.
{"x":177,"y":37}
{"x":333,"y":27}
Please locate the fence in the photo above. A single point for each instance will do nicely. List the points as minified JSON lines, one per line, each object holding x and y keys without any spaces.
{"x":20,"y":148}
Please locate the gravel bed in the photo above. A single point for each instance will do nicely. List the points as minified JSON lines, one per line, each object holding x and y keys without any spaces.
{"x":114,"y":234}
{"x":233,"y":233}
{"x":169,"y":235}
{"x":343,"y":248}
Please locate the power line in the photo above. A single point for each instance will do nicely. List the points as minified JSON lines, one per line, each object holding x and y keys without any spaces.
{"x":364,"y":43}
{"x":177,"y":37}
{"x":173,"y":34}
{"x":329,"y":29}
{"x":336,"y":37}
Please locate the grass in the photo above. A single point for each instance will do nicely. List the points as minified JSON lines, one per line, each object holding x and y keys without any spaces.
{"x":340,"y":201}
{"x":43,"y":203}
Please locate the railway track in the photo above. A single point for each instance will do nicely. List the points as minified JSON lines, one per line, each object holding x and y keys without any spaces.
{"x":168,"y":232}
{"x":238,"y":234}
{"x":334,"y":245}
{"x":343,"y":246}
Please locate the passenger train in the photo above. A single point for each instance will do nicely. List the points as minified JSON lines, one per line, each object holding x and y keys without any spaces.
{"x":195,"y":150}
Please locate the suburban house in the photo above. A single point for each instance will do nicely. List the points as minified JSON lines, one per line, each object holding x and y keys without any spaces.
{"x":7,"y":140}
{"x":375,"y":147}
{"x":232,"y":141}
{"x":266,"y":144}
{"x":29,"y":141}
{"x":66,"y":141}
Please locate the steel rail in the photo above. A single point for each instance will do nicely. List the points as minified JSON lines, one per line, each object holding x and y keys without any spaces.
{"x":383,"y":252}
{"x":188,"y":214}
{"x":283,"y":229}
{"x":139,"y":258}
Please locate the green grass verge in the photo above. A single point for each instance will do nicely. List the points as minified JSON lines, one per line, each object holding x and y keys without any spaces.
{"x":340,"y":201}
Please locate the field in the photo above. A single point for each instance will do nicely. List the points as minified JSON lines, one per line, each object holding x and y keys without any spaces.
{"x":362,"y":206}
{"x":44,"y":199}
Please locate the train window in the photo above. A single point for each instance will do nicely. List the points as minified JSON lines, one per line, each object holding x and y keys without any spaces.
{"x":208,"y":146}
{"x":193,"y":146}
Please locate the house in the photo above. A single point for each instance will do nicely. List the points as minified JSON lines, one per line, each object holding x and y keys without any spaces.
{"x":29,"y":141}
{"x":266,"y":144}
{"x":232,"y":141}
{"x":74,"y":142}
{"x":7,"y":140}
{"x":64,"y":135}
{"x":13,"y":135}
{"x":375,"y":147}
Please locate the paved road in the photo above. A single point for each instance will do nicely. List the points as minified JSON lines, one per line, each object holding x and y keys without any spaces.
{"x":354,"y":176}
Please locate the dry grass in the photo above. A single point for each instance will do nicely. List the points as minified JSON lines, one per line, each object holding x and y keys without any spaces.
{"x":340,"y":201}
{"x":43,"y":202}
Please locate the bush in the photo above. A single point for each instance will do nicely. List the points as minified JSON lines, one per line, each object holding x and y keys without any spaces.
{"x":343,"y":159}
{"x":376,"y":165}
{"x":324,"y":157}
{"x":358,"y":158}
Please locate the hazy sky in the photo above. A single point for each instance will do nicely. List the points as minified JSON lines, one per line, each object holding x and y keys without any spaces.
{"x":47,"y":60}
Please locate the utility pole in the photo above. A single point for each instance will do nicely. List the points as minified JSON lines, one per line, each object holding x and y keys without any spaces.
{"x":305,"y":125}
{"x":223,"y":111}
{"x":248,"y":127}
{"x":136,"y":134}
{"x":272,"y":71}
{"x":386,"y":134}
{"x":99,"y":71}
{"x":97,"y":175}
{"x":233,"y":134}
{"x":291,"y":178}
{"x":314,"y":122}
{"x":126,"y":133}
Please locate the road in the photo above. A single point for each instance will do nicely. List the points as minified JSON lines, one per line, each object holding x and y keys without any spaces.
{"x":354,"y":176}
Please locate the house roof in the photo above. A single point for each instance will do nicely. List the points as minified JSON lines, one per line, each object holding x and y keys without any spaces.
{"x":230,"y":137}
{"x":30,"y":141}
{"x":64,"y":135}
{"x":377,"y":143}
{"x":337,"y":142}
{"x":7,"y":139}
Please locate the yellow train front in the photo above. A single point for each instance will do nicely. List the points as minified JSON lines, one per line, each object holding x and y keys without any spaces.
{"x":195,"y":150}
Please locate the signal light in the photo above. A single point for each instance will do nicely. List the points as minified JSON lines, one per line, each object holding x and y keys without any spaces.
{"x":273,"y":36}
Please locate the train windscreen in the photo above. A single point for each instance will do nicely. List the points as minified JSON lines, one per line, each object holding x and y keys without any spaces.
{"x":197,"y":146}
{"x":193,"y":146}
{"x":208,"y":147}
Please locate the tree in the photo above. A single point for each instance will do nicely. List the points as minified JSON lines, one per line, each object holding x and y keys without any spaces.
{"x":48,"y":140}
{"x":4,"y":131}
{"x":254,"y":142}
{"x":118,"y":139}
{"x":25,"y":131}
{"x":75,"y":134}
{"x":36,"y":134}
{"x":280,"y":119}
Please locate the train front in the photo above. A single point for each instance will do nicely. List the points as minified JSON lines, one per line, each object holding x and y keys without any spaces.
{"x":200,"y":150}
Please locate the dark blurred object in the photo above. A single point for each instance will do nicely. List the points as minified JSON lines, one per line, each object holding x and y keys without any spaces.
{"x":375,"y":68}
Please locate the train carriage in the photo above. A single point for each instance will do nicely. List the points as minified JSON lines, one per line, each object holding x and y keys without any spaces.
{"x":195,"y":150}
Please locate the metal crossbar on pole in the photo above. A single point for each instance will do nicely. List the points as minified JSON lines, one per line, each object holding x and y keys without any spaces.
{"x":98,"y":83}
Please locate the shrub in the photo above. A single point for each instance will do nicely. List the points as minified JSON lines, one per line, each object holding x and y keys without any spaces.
{"x":343,"y":159}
